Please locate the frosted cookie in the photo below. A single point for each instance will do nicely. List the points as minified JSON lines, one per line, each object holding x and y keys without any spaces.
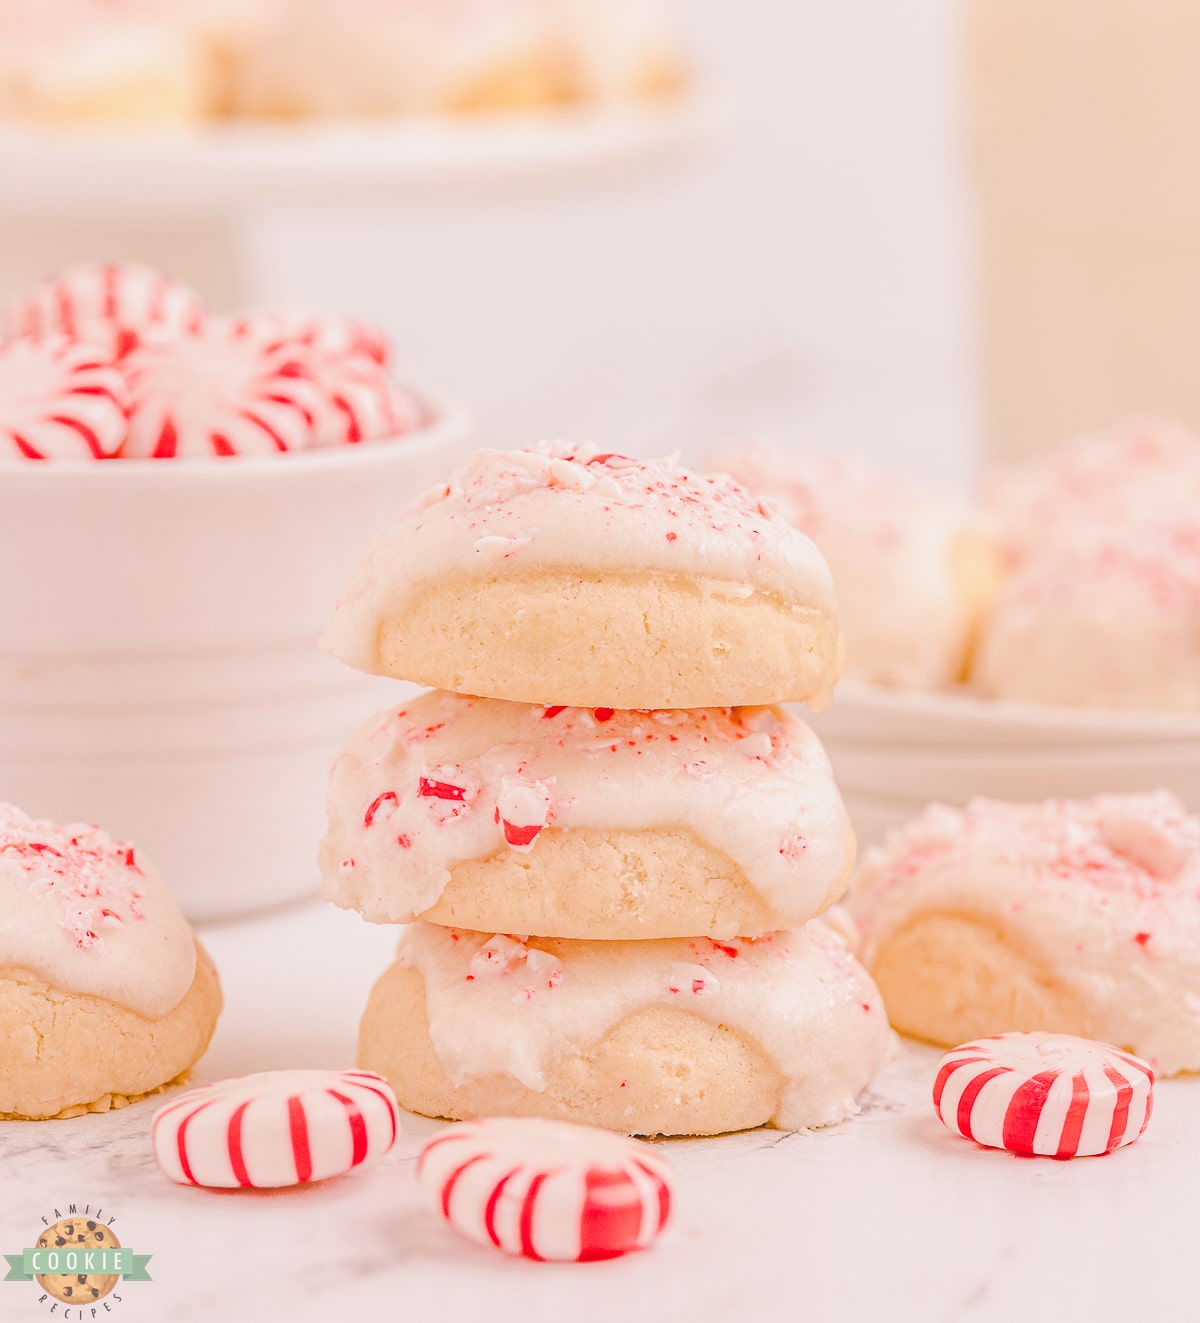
{"x":358,"y":57}
{"x":571,"y":576}
{"x":1137,"y":471}
{"x":105,"y":994}
{"x":910,"y":573}
{"x":1070,"y":917}
{"x":1111,"y":623}
{"x":96,"y":64}
{"x":616,"y":50}
{"x":569,"y":822}
{"x":684,"y":1037}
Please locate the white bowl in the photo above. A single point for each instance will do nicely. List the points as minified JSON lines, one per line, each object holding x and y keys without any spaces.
{"x":159,"y":669}
{"x":895,"y":751}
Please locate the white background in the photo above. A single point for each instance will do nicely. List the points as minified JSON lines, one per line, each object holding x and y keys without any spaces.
{"x":801,"y":275}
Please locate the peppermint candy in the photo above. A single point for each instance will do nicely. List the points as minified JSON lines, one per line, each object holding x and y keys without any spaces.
{"x":113,"y":305}
{"x":547,"y":1189}
{"x":219,"y":393}
{"x":331,"y":335}
{"x":281,"y":1127}
{"x":361,"y":402}
{"x":60,"y":399}
{"x":1047,"y":1094}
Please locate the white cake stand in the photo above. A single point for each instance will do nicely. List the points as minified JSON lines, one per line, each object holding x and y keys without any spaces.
{"x":184,"y":199}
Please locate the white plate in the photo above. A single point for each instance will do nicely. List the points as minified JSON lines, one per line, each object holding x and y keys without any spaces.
{"x":883,"y":717}
{"x":226,"y":166}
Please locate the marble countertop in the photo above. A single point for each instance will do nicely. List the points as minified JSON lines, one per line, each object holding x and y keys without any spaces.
{"x":887,"y":1217}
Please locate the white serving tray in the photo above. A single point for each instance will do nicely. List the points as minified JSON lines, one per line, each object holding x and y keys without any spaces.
{"x":880,"y":716}
{"x":230,"y":166}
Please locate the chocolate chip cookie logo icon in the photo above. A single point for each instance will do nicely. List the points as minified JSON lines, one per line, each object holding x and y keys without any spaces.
{"x":77,"y":1260}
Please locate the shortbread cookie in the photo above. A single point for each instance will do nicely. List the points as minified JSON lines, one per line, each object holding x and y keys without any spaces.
{"x":684,"y":1037}
{"x":1070,"y":917}
{"x":574,"y":822}
{"x":1111,"y":623}
{"x":911,"y":572}
{"x":104,"y":991}
{"x":569,"y":576}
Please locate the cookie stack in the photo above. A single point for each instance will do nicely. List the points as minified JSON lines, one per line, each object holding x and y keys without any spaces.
{"x":609,"y":869}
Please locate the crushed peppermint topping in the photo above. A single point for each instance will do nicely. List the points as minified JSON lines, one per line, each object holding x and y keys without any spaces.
{"x":490,"y":478}
{"x":1136,"y":845}
{"x":522,"y":810}
{"x":694,"y":980}
{"x":94,"y":879}
{"x":505,"y":956}
{"x":501,"y":548}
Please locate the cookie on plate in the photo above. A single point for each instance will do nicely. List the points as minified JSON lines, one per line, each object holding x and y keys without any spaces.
{"x":680,"y":1037}
{"x":585,"y":823}
{"x":566,"y":575}
{"x":1074,"y":917}
{"x":1109,"y":623}
{"x":911,"y":573}
{"x":1134,"y":472}
{"x":105,"y":994}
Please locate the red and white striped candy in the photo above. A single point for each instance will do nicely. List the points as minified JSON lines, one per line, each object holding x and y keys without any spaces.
{"x":1047,"y":1094}
{"x":361,"y":402}
{"x":60,"y":399}
{"x":331,"y":335}
{"x":112,"y":305}
{"x":282,"y":1127}
{"x":218,"y":393}
{"x":547,"y":1189}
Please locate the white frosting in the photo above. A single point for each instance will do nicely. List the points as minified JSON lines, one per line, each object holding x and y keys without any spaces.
{"x":578,"y":510}
{"x":1114,"y":622}
{"x":799,"y":995}
{"x":90,"y":915}
{"x":1137,"y":471}
{"x":753,"y":783}
{"x":1105,"y":893}
{"x":890,"y":547}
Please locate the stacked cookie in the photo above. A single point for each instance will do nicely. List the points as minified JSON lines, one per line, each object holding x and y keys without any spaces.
{"x":608,"y":868}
